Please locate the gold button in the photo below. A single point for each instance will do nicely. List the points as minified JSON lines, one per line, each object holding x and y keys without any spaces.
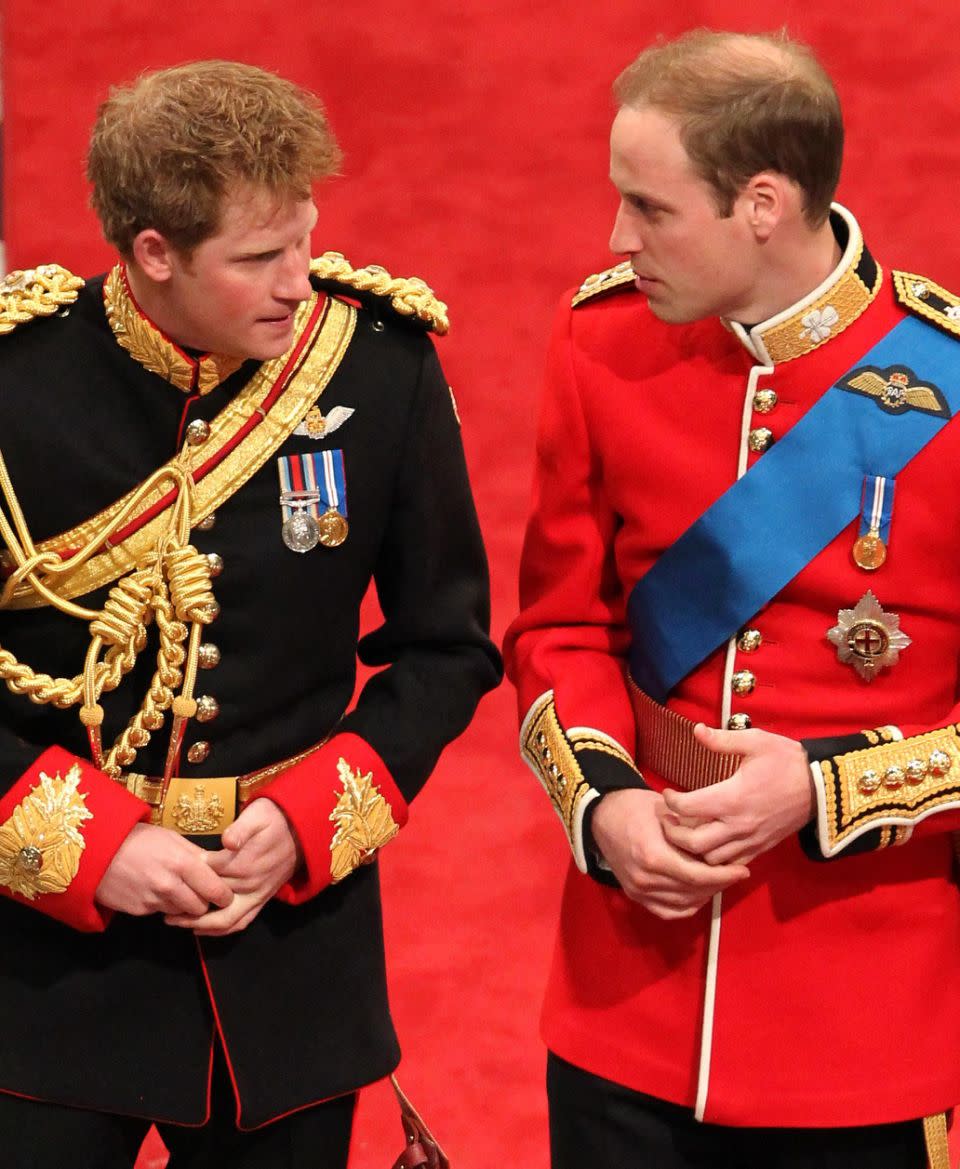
{"x":869,"y":782}
{"x":749,"y":641}
{"x":197,"y":432}
{"x":214,"y":610}
{"x":743,"y":682}
{"x":764,"y":401}
{"x":916,"y":770}
{"x":939,"y":763}
{"x":893,"y":777}
{"x":198,"y":752}
{"x":739,"y":722}
{"x":207,"y":524}
{"x":207,"y":708}
{"x":209,"y":656}
{"x":216,"y":563}
{"x":758,"y":440}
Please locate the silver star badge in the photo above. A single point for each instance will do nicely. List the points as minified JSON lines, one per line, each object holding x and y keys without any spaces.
{"x":867,"y":638}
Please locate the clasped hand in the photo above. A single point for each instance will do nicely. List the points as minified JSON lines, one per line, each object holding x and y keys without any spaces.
{"x":213,"y":893}
{"x":672,"y":852}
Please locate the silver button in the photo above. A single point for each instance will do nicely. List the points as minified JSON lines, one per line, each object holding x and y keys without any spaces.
{"x":198,"y":752}
{"x":209,"y":656}
{"x":749,"y":641}
{"x":214,"y":610}
{"x":764,"y":401}
{"x":739,"y":722}
{"x":207,"y":708}
{"x":197,"y":432}
{"x":215,"y":560}
{"x":758,"y":440}
{"x":743,"y":682}
{"x":207,"y":524}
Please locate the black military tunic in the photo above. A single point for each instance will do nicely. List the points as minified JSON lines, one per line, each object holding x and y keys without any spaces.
{"x":123,"y":1018}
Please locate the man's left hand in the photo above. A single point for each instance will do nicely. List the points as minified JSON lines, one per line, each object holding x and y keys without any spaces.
{"x":767,"y":798}
{"x":259,"y":855}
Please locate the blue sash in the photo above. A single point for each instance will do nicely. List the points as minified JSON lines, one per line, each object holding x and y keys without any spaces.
{"x":783,"y":512}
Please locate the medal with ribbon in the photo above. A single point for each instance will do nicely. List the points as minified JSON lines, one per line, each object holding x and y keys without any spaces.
{"x":313,"y":500}
{"x":876,"y":511}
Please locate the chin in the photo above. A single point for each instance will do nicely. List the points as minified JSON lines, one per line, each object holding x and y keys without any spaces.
{"x":676,"y":314}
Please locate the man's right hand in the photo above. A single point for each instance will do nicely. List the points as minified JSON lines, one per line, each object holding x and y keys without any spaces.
{"x":158,"y":871}
{"x":670,"y":883}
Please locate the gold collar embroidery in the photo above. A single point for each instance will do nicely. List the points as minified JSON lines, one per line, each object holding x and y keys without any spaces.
{"x":832,"y":307}
{"x":153,"y":349}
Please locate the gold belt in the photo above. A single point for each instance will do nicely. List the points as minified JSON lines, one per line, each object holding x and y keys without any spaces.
{"x":205,"y":805}
{"x":665,"y":745}
{"x":197,"y":806}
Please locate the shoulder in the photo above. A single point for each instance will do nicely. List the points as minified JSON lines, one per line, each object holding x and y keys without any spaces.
{"x":926,"y":299}
{"x":405,"y":299}
{"x":36,"y":293}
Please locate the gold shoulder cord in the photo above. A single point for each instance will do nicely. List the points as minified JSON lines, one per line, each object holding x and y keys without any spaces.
{"x":408,"y":296}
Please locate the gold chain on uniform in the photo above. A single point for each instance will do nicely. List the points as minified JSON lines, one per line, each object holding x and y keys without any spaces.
{"x":171,"y":588}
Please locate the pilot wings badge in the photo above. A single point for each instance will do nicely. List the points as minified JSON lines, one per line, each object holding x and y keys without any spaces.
{"x":318,"y":425}
{"x":896,"y":389}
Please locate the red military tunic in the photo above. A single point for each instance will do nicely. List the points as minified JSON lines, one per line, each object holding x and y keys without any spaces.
{"x":832,"y":994}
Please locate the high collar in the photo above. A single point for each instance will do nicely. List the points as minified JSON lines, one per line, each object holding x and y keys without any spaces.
{"x":825,"y":312}
{"x":153,"y":349}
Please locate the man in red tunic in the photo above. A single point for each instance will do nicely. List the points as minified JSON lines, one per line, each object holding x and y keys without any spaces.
{"x":758,"y":960}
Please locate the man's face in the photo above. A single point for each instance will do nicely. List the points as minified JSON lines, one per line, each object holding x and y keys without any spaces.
{"x":237,"y":291}
{"x":689,"y":262}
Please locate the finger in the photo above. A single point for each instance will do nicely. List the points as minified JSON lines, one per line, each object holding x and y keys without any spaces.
{"x":207,"y":884}
{"x":233,"y":929}
{"x":737,"y":852}
{"x":700,"y":840}
{"x":181,"y":899}
{"x":683,"y":869}
{"x":217,"y":920}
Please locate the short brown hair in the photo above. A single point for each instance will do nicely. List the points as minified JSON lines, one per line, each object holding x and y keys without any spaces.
{"x":745,"y":104}
{"x":165,"y":149}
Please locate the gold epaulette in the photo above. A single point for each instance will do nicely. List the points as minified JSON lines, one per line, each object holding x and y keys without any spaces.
{"x":35,"y":292}
{"x":928,"y":300}
{"x":408,"y":296}
{"x":602,"y":282}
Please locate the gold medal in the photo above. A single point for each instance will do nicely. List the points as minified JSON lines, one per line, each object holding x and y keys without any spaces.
{"x":334,"y":528}
{"x":869,"y":551}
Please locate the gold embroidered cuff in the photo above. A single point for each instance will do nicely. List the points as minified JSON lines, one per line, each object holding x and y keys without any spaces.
{"x":41,"y":842}
{"x":364,"y":822}
{"x":889,"y":786}
{"x":551,"y":756}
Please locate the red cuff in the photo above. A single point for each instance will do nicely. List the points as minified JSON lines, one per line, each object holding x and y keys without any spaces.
{"x":61,"y":824}
{"x":343,"y":805}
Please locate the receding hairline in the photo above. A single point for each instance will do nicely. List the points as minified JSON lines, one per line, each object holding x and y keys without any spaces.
{"x":750,"y":57}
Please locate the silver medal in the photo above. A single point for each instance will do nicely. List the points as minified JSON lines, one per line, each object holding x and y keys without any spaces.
{"x":300,"y":532}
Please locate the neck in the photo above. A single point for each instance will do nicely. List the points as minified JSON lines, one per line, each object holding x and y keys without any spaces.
{"x":793,"y":270}
{"x":151,"y":301}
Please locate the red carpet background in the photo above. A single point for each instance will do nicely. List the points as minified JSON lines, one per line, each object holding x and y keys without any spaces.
{"x":475,"y":140}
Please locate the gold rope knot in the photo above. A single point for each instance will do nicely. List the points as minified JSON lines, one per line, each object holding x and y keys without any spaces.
{"x":35,"y":292}
{"x":190,"y":589}
{"x":408,"y":296}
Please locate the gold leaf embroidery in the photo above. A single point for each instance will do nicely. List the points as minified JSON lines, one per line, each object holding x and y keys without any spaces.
{"x":41,"y":843}
{"x":364,"y":822}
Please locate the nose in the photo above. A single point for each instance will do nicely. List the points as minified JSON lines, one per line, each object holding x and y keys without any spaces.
{"x":625,"y":239}
{"x":293,"y":277}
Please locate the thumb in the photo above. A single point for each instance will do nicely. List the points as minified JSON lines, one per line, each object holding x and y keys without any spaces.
{"x":723,"y":742}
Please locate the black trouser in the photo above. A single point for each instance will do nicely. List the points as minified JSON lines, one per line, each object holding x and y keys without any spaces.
{"x":35,"y":1135}
{"x":596,"y":1124}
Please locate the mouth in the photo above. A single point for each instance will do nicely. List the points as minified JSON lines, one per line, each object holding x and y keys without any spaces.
{"x":279,"y":322}
{"x":645,"y":283}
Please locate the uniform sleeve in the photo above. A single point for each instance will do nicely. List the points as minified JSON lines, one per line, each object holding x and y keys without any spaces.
{"x":61,"y":822}
{"x":566,"y":650}
{"x":878,"y":788}
{"x":351,"y":796}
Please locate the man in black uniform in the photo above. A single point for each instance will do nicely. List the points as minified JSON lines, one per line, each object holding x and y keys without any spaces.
{"x":208,"y":455}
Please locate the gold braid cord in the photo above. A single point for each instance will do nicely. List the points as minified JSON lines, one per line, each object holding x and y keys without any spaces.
{"x":410,"y":297}
{"x":36,"y":292}
{"x":171,"y":587}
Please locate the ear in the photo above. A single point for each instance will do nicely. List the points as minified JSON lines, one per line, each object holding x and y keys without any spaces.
{"x":766,"y":199}
{"x":154,"y":255}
